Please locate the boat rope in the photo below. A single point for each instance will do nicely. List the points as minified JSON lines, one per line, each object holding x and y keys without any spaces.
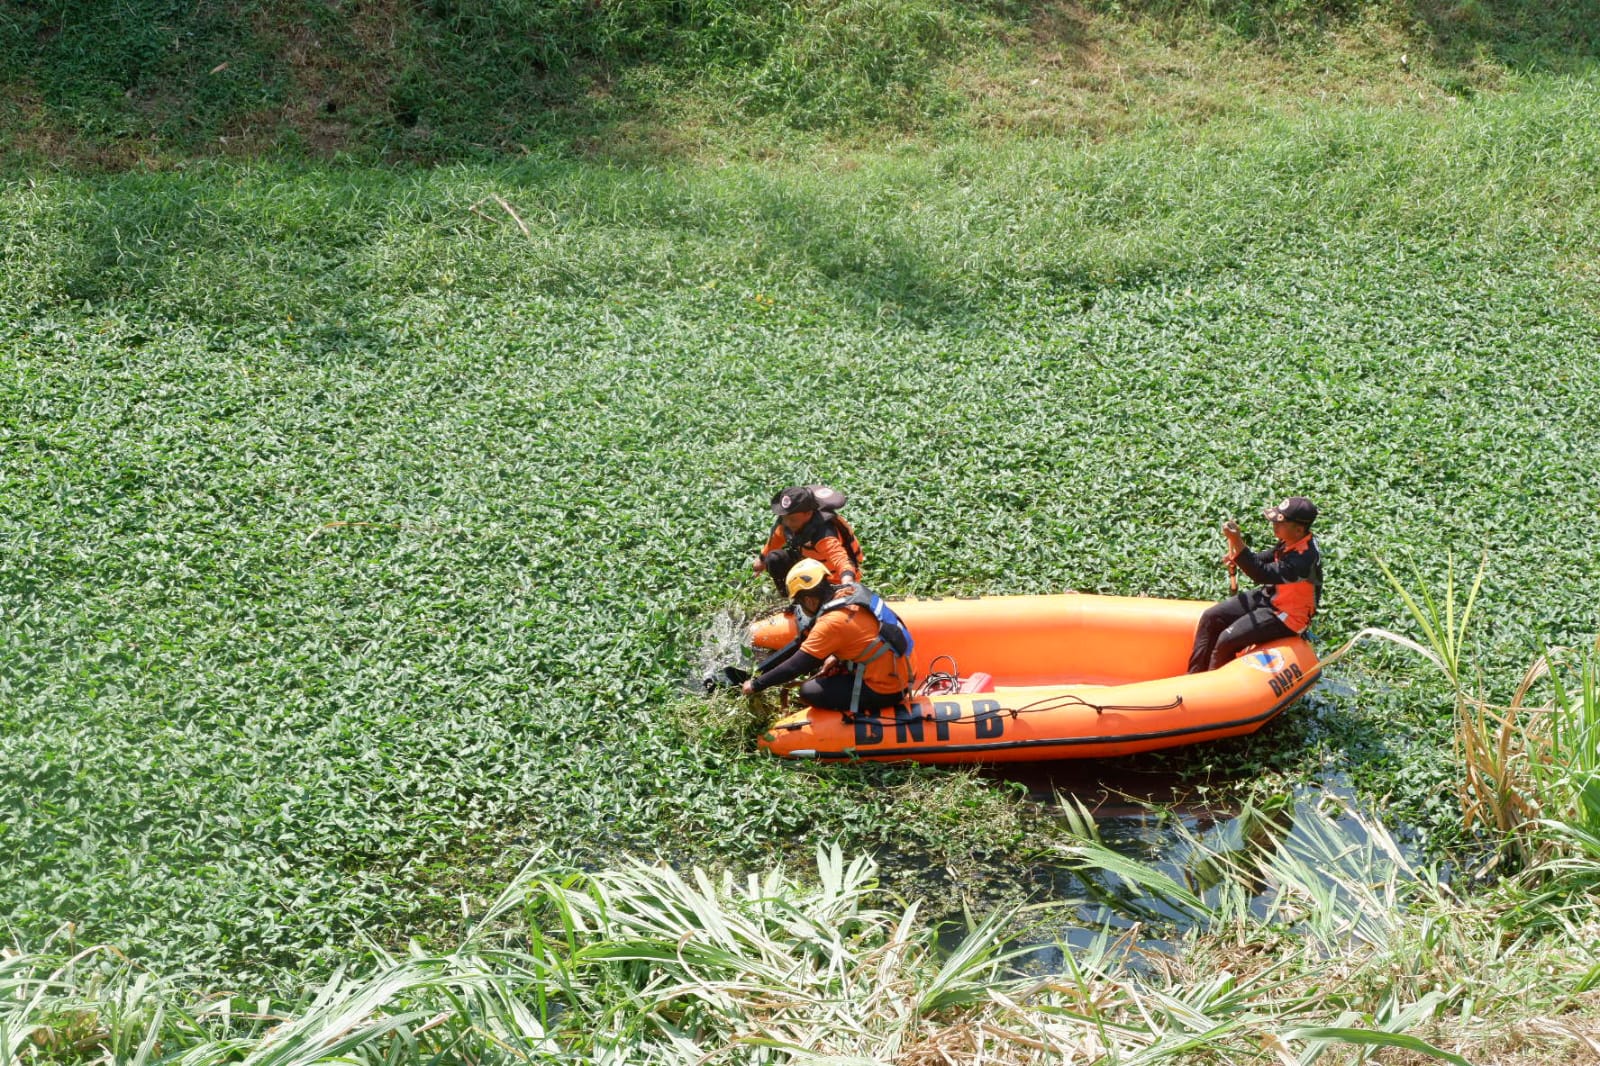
{"x":1053,"y":703}
{"x":1067,"y":699}
{"x":947,"y":682}
{"x":940,"y":682}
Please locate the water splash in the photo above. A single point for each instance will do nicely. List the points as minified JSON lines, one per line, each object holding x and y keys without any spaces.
{"x":723,"y":647}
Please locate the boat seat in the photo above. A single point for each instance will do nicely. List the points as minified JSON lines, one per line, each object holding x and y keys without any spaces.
{"x":979,"y":682}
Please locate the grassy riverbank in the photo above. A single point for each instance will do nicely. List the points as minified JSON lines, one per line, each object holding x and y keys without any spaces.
{"x":154,"y":83}
{"x":1346,"y":951}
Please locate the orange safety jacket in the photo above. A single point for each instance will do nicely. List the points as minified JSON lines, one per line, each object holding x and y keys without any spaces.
{"x":1291,"y":579}
{"x":825,"y":537}
{"x":850,"y":631}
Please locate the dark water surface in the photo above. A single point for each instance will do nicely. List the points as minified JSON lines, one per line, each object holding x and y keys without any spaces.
{"x":1158,"y":819}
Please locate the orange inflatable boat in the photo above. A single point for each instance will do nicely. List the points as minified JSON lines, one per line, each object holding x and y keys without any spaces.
{"x":1071,"y":676}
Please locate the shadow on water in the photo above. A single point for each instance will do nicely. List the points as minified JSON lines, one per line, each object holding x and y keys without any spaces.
{"x":1204,"y":841}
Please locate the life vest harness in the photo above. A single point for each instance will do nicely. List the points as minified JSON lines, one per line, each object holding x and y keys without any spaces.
{"x":893,"y":637}
{"x":1289,"y":592}
{"x":822,"y":525}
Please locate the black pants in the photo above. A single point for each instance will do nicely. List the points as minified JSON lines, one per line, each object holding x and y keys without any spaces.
{"x":779,"y":563}
{"x":1229,"y":627}
{"x":833,"y":694}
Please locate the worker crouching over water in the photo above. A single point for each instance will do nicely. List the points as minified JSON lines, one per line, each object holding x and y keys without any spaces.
{"x":808,"y":526}
{"x":851,"y":641}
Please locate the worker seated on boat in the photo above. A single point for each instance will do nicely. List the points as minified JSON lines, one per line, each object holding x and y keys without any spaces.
{"x":809,"y":527}
{"x":1289,"y":580}
{"x":853,"y":645}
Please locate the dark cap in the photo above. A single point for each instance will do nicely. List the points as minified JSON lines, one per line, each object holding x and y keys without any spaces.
{"x":799,"y":498}
{"x":1294,"y":509}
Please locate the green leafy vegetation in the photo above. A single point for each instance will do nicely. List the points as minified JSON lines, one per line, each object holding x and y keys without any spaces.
{"x":363,"y":525}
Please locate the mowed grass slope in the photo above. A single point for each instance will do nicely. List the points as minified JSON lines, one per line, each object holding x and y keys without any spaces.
{"x":361,"y":527}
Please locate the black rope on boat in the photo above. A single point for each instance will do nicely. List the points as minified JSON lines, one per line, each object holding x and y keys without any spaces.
{"x":1172,"y":704}
{"x":1054,"y":703}
{"x":1067,"y":699}
{"x":946,"y":683}
{"x":940,"y":682}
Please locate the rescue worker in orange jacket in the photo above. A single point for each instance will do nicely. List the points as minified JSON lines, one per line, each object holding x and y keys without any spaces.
{"x":1289,"y":580}
{"x":804,"y":530}
{"x":851,"y":641}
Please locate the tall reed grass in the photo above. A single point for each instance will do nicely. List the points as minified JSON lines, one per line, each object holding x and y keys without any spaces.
{"x":1530,"y":770}
{"x":1355,"y":949}
{"x":1573,"y":771}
